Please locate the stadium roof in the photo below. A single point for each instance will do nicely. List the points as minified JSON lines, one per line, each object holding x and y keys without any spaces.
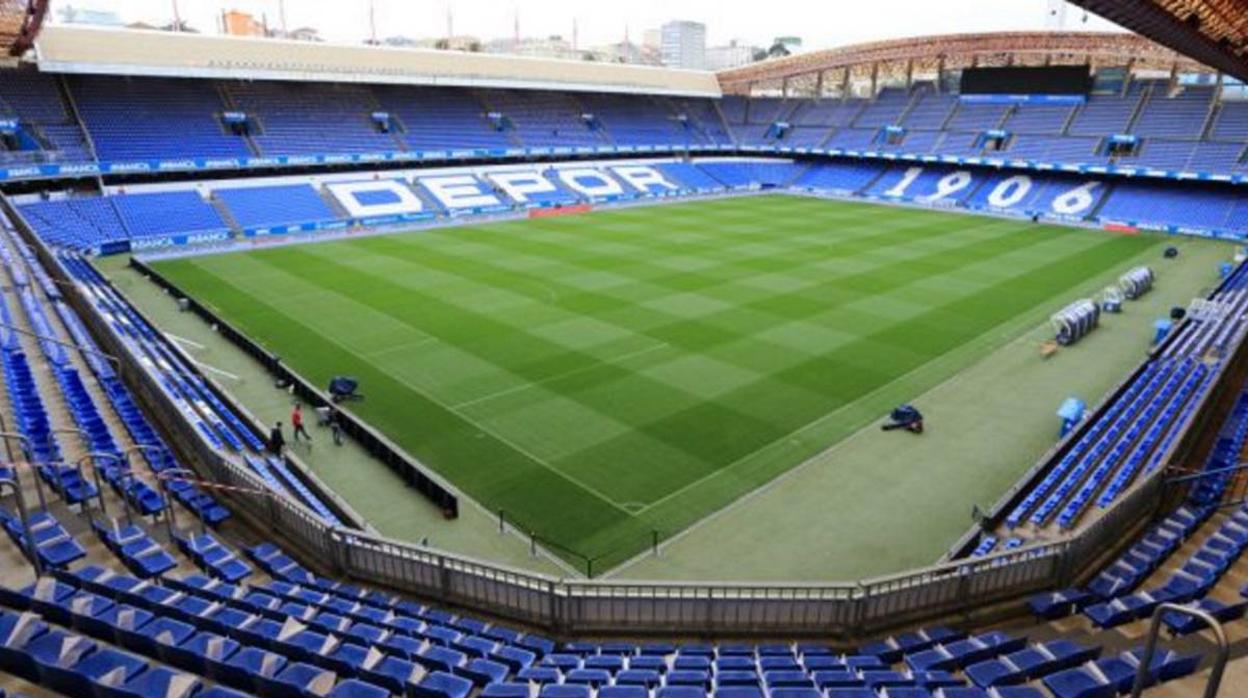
{"x":963,"y":50}
{"x":76,"y":49}
{"x":1214,"y":32}
{"x":20,"y":21}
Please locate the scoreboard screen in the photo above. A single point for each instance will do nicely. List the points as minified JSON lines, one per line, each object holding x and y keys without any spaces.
{"x":1073,"y":80}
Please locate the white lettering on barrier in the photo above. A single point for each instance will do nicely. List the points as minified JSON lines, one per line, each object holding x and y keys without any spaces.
{"x":950,"y":184}
{"x":394,"y":197}
{"x":643,"y":177}
{"x":1076,"y":200}
{"x":599,"y":183}
{"x":520,"y":184}
{"x":899,"y":189}
{"x":458,"y":191}
{"x":1010,"y":191}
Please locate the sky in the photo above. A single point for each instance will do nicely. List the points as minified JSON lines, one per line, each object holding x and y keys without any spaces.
{"x":820,"y":23}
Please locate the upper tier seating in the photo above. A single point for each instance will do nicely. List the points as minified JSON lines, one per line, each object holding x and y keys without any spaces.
{"x":767,"y":110}
{"x":704,"y":119}
{"x":441,"y":119}
{"x":629,"y":120}
{"x":826,"y":112}
{"x":1180,"y":116}
{"x":977,"y":117}
{"x":931,"y":110}
{"x":307,"y":119}
{"x":1231,"y":123}
{"x":34,"y":99}
{"x":886,"y":110}
{"x":1038,"y":118}
{"x":180,"y":120}
{"x":544,"y":119}
{"x":155,"y":118}
{"x":1105,"y":114}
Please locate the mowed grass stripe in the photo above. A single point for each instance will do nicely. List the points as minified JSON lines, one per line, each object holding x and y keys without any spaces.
{"x":647,"y":320}
{"x":729,"y":348}
{"x":671,"y":433}
{"x":849,"y":374}
{"x":404,"y":411}
{"x":786,"y":255}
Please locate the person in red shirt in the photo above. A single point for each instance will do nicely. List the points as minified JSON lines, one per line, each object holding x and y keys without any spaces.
{"x":296,"y":424}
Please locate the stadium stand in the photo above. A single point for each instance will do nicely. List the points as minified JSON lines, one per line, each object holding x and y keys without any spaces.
{"x":702,"y":117}
{"x":1038,"y":118}
{"x":1179,"y":116}
{"x":1182,"y":129}
{"x":545,"y":119}
{"x":140,"y":217}
{"x":973,"y":117}
{"x":643,"y":122}
{"x":47,"y":129}
{"x":277,"y":205}
{"x":885,"y":110}
{"x":1208,"y":541}
{"x":163,"y":213}
{"x":152,"y":119}
{"x":294,"y":118}
{"x":847,"y":179}
{"x":439,"y":119}
{"x":89,"y":625}
{"x":1147,"y":203}
{"x":746,"y":173}
{"x":690,"y":176}
{"x":78,"y":223}
{"x":1104,"y":114}
{"x":930,"y":110}
{"x":252,"y":617}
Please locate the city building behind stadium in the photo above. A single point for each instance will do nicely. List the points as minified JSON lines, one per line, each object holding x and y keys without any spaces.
{"x":912,"y":368}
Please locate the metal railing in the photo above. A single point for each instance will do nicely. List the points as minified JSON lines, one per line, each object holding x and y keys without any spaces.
{"x":32,"y":551}
{"x":1142,"y":679}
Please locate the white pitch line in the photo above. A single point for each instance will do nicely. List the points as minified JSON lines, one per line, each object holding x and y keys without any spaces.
{"x":217,"y":371}
{"x":398,"y":347}
{"x":184,"y":340}
{"x":558,"y":376}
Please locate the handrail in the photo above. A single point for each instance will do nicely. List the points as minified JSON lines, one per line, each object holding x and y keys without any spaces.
{"x":31,"y":549}
{"x":171,"y":522}
{"x":1224,"y":647}
{"x":1180,"y":479}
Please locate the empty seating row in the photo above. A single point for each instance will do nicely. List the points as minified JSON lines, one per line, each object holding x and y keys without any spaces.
{"x":53,"y":544}
{"x":1196,"y":577}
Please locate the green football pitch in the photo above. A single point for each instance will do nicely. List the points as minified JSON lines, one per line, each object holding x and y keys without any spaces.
{"x":605,"y":377}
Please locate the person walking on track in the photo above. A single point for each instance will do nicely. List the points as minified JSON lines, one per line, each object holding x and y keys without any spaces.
{"x":296,"y":424}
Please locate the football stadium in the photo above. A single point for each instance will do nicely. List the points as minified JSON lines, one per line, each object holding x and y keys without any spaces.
{"x":907,"y":368}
